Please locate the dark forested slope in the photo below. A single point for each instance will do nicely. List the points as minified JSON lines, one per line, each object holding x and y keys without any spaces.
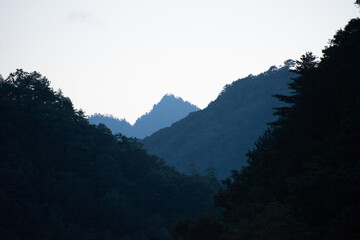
{"x":62,"y":178}
{"x":220,"y":135}
{"x":303,"y":178}
{"x":170,"y":109}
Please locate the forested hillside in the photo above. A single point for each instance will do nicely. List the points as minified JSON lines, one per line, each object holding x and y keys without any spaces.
{"x":170,"y":109}
{"x":219,"y":136}
{"x":303,"y":178}
{"x":62,"y":178}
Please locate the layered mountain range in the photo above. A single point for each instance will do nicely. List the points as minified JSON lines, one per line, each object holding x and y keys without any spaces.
{"x":169,"y":110}
{"x":63,"y":178}
{"x":217,"y":138}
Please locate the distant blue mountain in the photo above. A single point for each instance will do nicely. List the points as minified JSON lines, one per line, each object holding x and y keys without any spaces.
{"x":169,"y":110}
{"x":116,"y":125}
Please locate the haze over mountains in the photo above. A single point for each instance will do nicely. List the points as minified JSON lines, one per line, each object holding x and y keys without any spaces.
{"x":219,"y":136}
{"x":169,"y":110}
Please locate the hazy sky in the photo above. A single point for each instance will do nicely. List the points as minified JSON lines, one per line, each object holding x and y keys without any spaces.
{"x":121,"y":56}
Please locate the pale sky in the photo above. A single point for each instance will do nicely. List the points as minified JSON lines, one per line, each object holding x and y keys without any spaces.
{"x":121,"y":56}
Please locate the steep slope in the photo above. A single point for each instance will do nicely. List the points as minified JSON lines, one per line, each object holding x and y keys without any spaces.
{"x":169,"y":110}
{"x":220,"y":135}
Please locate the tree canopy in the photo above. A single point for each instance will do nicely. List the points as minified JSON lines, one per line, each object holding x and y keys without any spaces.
{"x":303,"y":178}
{"x":63,"y":178}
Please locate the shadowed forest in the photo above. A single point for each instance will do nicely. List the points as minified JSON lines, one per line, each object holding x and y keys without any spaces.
{"x":64,"y":178}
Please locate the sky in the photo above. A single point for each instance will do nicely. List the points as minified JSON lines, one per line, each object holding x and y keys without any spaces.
{"x":120,"y":57}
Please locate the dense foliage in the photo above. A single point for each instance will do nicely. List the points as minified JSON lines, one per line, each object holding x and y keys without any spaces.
{"x":303,"y":178}
{"x":62,"y":178}
{"x":219,"y":136}
{"x":170,"y":109}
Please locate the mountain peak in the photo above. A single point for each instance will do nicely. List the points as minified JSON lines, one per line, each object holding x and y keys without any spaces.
{"x":220,"y":135}
{"x":169,"y":110}
{"x":169,"y":96}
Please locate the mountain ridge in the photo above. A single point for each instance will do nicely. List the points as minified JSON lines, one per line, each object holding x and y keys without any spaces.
{"x":163,"y":114}
{"x":219,"y":136}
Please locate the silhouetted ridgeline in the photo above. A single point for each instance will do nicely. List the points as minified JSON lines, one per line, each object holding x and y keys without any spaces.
{"x":169,"y":110}
{"x":62,"y":178}
{"x":116,"y":125}
{"x":220,"y":135}
{"x":303,"y":178}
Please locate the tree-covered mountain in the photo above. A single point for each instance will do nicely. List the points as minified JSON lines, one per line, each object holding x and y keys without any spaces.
{"x":219,"y":136}
{"x":170,"y":109}
{"x":63,"y":178}
{"x":303,"y":178}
